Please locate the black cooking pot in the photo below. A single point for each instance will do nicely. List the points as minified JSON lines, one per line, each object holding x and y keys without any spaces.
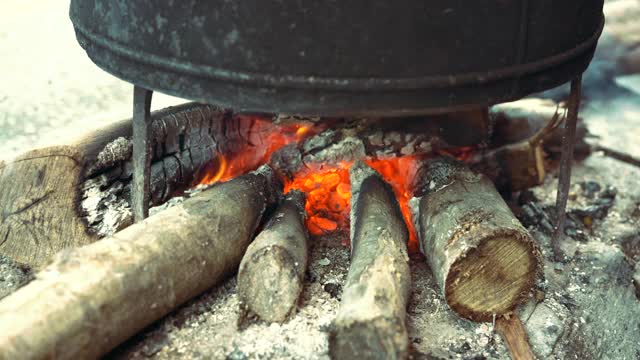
{"x":349,"y":57}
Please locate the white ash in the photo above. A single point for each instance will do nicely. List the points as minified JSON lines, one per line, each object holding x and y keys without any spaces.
{"x":12,"y":276}
{"x":105,"y":213}
{"x":207,"y":327}
{"x":348,"y":149}
{"x":118,"y":150}
{"x":320,"y":141}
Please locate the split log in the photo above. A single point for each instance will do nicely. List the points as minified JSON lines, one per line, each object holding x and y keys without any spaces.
{"x":483,"y":259}
{"x":91,"y":298}
{"x":520,"y":120}
{"x":515,"y":336}
{"x":370,"y":323}
{"x":517,"y":166}
{"x":271,"y":273}
{"x":51,"y":198}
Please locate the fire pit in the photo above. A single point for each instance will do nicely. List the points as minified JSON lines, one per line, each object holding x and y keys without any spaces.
{"x":315,"y":59}
{"x":372,"y":146}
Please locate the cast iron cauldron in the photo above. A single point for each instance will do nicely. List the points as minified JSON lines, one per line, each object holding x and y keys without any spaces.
{"x":348,"y":57}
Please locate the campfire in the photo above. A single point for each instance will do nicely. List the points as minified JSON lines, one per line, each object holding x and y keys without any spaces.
{"x":345,"y":198}
{"x":389,"y":189}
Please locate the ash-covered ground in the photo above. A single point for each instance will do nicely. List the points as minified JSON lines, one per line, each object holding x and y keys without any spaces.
{"x":586,"y":307}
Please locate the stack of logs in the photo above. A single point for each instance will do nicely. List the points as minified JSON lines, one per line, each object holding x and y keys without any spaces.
{"x":484,"y":261}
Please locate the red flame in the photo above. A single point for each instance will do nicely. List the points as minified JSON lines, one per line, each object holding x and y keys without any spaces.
{"x":329,"y":192}
{"x":326,"y":185}
{"x":252,"y":146}
{"x":400,"y":172}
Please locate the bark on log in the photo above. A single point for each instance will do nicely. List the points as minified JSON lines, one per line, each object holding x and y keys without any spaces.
{"x":271,"y":273}
{"x":371,"y":320}
{"x":517,"y":166}
{"x":50,"y":196}
{"x":515,"y":336}
{"x":483,"y":259}
{"x":92,"y":298}
{"x":519,"y":120}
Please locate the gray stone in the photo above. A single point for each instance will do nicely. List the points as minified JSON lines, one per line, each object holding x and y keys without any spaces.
{"x":544,"y":328}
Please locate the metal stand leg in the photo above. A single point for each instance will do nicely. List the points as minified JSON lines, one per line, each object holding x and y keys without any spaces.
{"x":141,"y":152}
{"x":564,"y":178}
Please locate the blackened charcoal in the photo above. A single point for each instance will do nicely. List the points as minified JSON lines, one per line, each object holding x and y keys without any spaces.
{"x":609,"y":192}
{"x":590,"y":188}
{"x":526,"y":197}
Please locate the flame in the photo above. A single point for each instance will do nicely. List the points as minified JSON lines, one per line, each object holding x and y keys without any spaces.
{"x":400,"y":173}
{"x":250,"y":144}
{"x":250,"y":141}
{"x":329,"y":192}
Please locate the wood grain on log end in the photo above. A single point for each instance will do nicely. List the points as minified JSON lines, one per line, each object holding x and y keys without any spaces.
{"x":484,"y":260}
{"x":272,"y":292}
{"x":91,"y":298}
{"x":492,"y":278}
{"x":271,"y":275}
{"x":39,"y":197}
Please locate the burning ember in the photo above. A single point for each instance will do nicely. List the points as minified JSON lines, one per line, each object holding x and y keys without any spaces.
{"x":260,"y":138}
{"x":326,"y":185}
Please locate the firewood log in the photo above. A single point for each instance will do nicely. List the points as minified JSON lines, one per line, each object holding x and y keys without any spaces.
{"x":483,"y":259}
{"x":271,"y":273}
{"x":520,"y":120}
{"x":520,"y":165}
{"x":515,"y":337}
{"x":91,"y":298}
{"x":370,"y":323}
{"x":49,"y":197}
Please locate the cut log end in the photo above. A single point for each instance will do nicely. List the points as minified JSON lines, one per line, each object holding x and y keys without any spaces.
{"x":484,"y":260}
{"x":274,"y":293}
{"x":271,"y":274}
{"x":379,"y":338}
{"x":493,"y":278}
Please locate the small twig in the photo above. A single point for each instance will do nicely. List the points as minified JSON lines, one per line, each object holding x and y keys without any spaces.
{"x":515,"y":337}
{"x":614,"y":154}
{"x":548,"y":129}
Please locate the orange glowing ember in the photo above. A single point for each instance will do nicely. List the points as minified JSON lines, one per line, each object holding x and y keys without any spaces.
{"x":252,"y":147}
{"x":328,"y":195}
{"x":326,"y":185}
{"x":400,"y":173}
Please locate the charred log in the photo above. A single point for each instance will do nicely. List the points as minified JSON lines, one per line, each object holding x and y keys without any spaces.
{"x":271,"y":273}
{"x":371,"y":321}
{"x":91,"y":298}
{"x":52,"y":197}
{"x":483,"y":259}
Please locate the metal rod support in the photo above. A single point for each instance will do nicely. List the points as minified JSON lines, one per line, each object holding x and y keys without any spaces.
{"x":141,"y":152}
{"x":566,"y":160}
